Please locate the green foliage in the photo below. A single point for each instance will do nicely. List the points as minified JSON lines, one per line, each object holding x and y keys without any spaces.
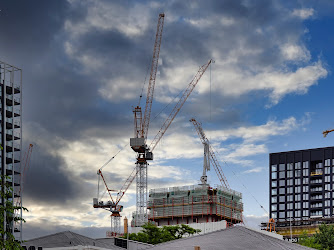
{"x":154,"y":235}
{"x":9,"y":210}
{"x":325,"y":236}
{"x":308,"y":241}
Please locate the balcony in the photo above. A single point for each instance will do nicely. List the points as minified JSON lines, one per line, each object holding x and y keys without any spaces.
{"x":317,"y":172}
{"x":12,"y":100}
{"x":10,"y":111}
{"x":9,"y":89}
{"x":13,"y":157}
{"x":12,"y":146}
{"x":10,"y":134}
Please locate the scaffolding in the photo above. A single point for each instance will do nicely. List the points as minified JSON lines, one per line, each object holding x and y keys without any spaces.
{"x":197,"y":203}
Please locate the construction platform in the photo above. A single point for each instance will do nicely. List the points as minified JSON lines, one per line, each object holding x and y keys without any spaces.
{"x":194,"y":204}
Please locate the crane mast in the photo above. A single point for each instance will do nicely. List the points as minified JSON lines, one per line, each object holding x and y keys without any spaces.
{"x":213,"y":157}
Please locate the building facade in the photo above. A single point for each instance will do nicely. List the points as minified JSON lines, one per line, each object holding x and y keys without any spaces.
{"x":301,"y":189}
{"x":10,"y":136}
{"x":194,"y":204}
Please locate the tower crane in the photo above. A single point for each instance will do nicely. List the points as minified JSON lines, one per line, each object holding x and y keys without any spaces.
{"x":325,"y":133}
{"x":213,"y":158}
{"x":145,"y":153}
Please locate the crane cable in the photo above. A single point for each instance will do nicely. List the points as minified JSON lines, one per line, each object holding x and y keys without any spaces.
{"x":105,"y":164}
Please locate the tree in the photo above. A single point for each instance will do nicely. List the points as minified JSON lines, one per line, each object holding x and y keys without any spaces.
{"x":7,"y":238}
{"x":308,"y":241}
{"x":325,"y":236}
{"x":154,"y":235}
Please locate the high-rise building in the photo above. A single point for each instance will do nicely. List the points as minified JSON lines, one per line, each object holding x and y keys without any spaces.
{"x":301,"y":189}
{"x":10,"y":137}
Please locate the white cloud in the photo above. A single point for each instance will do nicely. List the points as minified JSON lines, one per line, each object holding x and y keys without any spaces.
{"x":254,"y":170}
{"x":303,"y":13}
{"x":295,"y":52}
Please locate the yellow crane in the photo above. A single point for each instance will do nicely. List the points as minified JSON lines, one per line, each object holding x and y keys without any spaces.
{"x":326,"y":132}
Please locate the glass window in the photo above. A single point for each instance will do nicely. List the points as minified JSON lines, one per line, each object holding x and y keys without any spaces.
{"x":305,"y":180}
{"x":327,"y":211}
{"x":281,"y":175}
{"x":297,"y":213}
{"x":274,"y":199}
{"x":298,"y":165}
{"x":289,"y":206}
{"x":297,"y":205}
{"x":274,"y":191}
{"x":289,"y":190}
{"x":273,"y":175}
{"x":289,"y":198}
{"x":327,"y":187}
{"x":273,"y":168}
{"x":289,"y":214}
{"x":274,"y":215}
{"x":282,"y":191}
{"x":327,"y":203}
{"x":297,"y":197}
{"x":282,"y":214}
{"x":327,"y":170}
{"x":305,"y":164}
{"x":289,"y":182}
{"x":274,"y":184}
{"x":297,"y":181}
{"x":305,"y":213}
{"x":327,"y":178}
{"x":289,"y":166}
{"x":305,"y":189}
{"x":281,"y":167}
{"x":297,"y":173}
{"x":289,"y":174}
{"x":327,"y":162}
{"x":273,"y":207}
{"x":327,"y":195}
{"x":282,"y":183}
{"x":281,"y":207}
{"x":297,"y":189}
{"x":305,"y":172}
{"x":305,"y":204}
{"x":282,"y":199}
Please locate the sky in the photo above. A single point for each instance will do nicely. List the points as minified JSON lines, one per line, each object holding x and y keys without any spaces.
{"x":84,"y":66}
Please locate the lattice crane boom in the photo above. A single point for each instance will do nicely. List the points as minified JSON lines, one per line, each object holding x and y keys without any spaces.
{"x":213,"y":158}
{"x":325,"y":133}
{"x":153,"y":74}
{"x":179,"y":104}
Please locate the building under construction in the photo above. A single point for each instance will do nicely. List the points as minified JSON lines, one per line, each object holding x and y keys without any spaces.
{"x":194,"y":204}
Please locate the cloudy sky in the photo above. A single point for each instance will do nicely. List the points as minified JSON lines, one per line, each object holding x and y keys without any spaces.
{"x":84,"y":65}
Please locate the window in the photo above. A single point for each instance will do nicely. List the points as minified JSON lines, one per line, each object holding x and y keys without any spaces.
{"x":289,"y":198}
{"x":305,"y":180}
{"x":289,"y":174}
{"x":327,"y":195}
{"x":289,"y":206}
{"x":305,"y":172}
{"x":297,"y":213}
{"x":305,"y":213}
{"x":281,"y":167}
{"x":289,"y":166}
{"x":282,"y":199}
{"x":297,"y":173}
{"x":327,"y":170}
{"x":297,"y":189}
{"x":282,"y":191}
{"x":273,"y":175}
{"x":282,"y":214}
{"x":289,"y":182}
{"x":327,"y":203}
{"x":273,"y":168}
{"x":297,"y":181}
{"x":297,"y":197}
{"x":281,"y":207}
{"x":327,"y":178}
{"x":305,"y":204}
{"x":274,"y":191}
{"x":274,"y":215}
{"x":289,"y":190}
{"x":298,"y":205}
{"x":274,"y":199}
{"x":327,"y":187}
{"x":289,"y":214}
{"x":305,"y":164}
{"x":327,"y":162}
{"x":297,"y":165}
{"x":281,"y":175}
{"x":274,"y":184}
{"x":282,"y":183}
{"x":273,"y":207}
{"x":305,"y":189}
{"x":327,"y":211}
